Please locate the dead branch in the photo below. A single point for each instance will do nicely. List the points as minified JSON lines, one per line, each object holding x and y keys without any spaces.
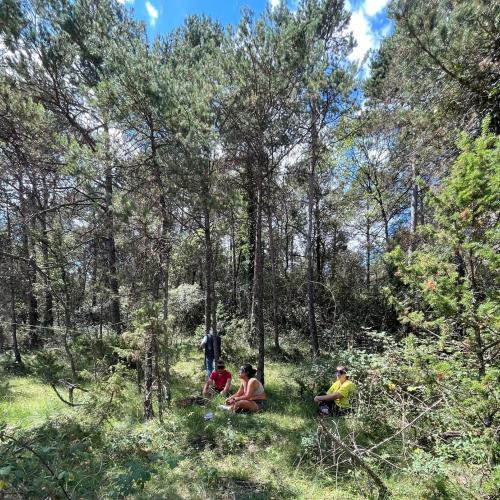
{"x":383,"y":490}
{"x":69,"y":403}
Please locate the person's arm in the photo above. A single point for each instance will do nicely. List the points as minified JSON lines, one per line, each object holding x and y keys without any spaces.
{"x":227,"y":387}
{"x":232,"y":399}
{"x":328,"y":397}
{"x":203,"y":342}
{"x":206,"y":387}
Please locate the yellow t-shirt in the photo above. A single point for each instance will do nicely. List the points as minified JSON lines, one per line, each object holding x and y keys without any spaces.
{"x":345,"y":389}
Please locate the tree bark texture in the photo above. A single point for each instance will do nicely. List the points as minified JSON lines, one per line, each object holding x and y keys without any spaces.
{"x":311,"y":302}
{"x":259,"y":278}
{"x":272,"y":255}
{"x":115,"y":312}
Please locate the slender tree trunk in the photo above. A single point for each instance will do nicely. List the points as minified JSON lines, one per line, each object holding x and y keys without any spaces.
{"x":259,"y":278}
{"x":158,"y":375}
{"x":166,"y":355}
{"x":272,"y":255}
{"x":251,"y":218}
{"x":234,"y":273}
{"x":217,"y":340}
{"x":67,"y":322}
{"x":319,"y":260}
{"x":413,"y":209}
{"x":310,"y":223}
{"x":210,"y":306}
{"x":30,"y":274}
{"x":48,"y":315}
{"x":116,"y":322}
{"x":15,"y":346}
{"x":208,"y":270}
{"x":13,"y":315}
{"x":94,"y":279}
{"x":165,"y":272}
{"x":287,"y":243}
{"x":148,"y":375}
{"x":368,"y":250}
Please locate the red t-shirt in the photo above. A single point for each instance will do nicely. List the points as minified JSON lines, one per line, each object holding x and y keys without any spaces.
{"x":220,"y":379}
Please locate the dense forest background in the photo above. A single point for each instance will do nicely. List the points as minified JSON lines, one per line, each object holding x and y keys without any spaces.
{"x":254,"y":181}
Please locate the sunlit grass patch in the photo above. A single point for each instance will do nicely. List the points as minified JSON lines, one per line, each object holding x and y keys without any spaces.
{"x":27,"y":402}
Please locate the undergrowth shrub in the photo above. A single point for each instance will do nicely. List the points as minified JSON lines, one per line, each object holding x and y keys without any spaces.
{"x":417,"y":405}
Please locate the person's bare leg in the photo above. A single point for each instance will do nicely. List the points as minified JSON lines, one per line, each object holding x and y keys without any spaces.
{"x":245,"y":405}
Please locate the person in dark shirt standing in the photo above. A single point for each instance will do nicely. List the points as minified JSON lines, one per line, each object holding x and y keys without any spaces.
{"x":219,"y":380}
{"x":208,"y":344}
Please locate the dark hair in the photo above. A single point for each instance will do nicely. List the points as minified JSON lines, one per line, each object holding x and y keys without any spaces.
{"x":249,"y":370}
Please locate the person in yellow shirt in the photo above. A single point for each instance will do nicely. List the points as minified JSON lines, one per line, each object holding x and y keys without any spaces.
{"x":335,"y":401}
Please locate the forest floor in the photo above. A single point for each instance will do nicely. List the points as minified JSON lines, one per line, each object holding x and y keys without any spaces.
{"x":256,"y":456}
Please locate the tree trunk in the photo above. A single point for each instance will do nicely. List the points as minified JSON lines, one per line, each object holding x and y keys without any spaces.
{"x":234,"y":269}
{"x":208,"y":269}
{"x":309,"y":244}
{"x":217,"y":351}
{"x":319,"y":261}
{"x":166,"y":356}
{"x":67,"y":322}
{"x":148,"y":375}
{"x":210,"y":306}
{"x":251,"y":218}
{"x":368,"y":251}
{"x":259,"y":278}
{"x":116,"y":322}
{"x":272,"y":255}
{"x":158,"y":375}
{"x":30,"y":274}
{"x":13,"y":315}
{"x":48,"y":314}
{"x":164,"y":269}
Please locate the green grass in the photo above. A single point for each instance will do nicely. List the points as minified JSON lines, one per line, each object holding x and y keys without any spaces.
{"x":257,"y":456}
{"x":25,"y":402}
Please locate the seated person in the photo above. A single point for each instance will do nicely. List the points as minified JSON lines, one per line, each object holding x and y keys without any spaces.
{"x":251,"y":396}
{"x":336,"y":400}
{"x":219,"y":381}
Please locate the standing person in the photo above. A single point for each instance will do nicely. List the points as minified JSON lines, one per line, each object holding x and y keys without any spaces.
{"x":251,"y":396}
{"x":219,"y":381}
{"x":336,"y":400}
{"x":208,"y":343}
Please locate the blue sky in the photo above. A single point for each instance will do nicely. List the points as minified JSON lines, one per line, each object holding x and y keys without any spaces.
{"x":369,"y":21}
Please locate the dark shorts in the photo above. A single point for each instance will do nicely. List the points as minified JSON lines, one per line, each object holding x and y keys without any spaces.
{"x":332,"y":409}
{"x":261,"y":403}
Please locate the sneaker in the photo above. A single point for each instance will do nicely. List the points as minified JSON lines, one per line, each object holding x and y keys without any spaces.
{"x":208,"y":416}
{"x":224,"y":407}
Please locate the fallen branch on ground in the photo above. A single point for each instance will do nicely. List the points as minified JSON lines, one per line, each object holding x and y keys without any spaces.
{"x":383,"y":490}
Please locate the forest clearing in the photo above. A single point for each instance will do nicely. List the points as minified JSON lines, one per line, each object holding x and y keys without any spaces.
{"x":253,"y":260}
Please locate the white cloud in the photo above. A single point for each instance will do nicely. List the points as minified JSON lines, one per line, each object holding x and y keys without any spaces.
{"x":386,"y":30}
{"x":373,"y":7}
{"x":360,"y":27}
{"x":153,"y":13}
{"x":274,"y":3}
{"x":124,"y":2}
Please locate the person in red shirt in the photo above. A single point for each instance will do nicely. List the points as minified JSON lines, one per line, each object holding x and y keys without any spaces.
{"x":219,"y":381}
